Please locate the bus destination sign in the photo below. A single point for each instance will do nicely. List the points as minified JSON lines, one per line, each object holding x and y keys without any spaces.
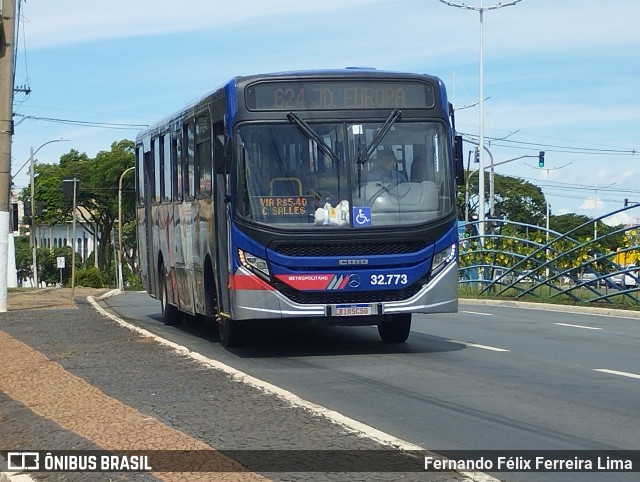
{"x":339,"y":95}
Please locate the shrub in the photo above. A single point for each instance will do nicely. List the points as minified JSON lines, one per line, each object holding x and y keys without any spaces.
{"x":90,"y":278}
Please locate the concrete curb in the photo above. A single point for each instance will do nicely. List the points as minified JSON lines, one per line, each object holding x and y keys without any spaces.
{"x":552,"y":307}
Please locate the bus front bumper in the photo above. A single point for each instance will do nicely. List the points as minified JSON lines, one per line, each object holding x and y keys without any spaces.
{"x":260,"y":301}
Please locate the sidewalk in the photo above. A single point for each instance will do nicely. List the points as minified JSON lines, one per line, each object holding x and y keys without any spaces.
{"x":74,"y":379}
{"x":47,"y":298}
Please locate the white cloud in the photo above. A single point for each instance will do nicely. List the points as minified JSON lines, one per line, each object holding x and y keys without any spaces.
{"x":618,"y":219}
{"x":592,"y":203}
{"x":64,"y":22}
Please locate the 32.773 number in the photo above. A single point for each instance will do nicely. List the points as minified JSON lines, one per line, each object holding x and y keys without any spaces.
{"x":388,"y":279}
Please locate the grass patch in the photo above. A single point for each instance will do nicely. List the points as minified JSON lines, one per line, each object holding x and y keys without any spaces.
{"x":582,"y":296}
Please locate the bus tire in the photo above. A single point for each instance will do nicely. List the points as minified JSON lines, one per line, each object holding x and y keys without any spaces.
{"x":170,"y":314}
{"x":395,"y":329}
{"x":230,"y":332}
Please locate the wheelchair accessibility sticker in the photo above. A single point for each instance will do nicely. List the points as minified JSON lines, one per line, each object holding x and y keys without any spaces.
{"x":361,"y":216}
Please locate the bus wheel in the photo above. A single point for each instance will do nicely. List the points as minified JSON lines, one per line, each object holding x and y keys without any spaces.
{"x":230,"y":332}
{"x":395,"y":329}
{"x":170,"y":314}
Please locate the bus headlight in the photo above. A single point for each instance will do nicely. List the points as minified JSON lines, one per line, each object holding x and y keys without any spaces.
{"x":443,"y":258}
{"x":254,"y":263}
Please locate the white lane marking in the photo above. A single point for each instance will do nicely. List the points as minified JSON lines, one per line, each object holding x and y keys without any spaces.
{"x":614,"y":372}
{"x":475,"y":345}
{"x":357,"y":428}
{"x":578,"y":326}
{"x":476,"y":313}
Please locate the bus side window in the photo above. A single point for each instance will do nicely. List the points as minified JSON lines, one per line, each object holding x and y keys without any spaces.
{"x":176,"y":158}
{"x":166,"y":168}
{"x":190,"y":162}
{"x":203,"y":155}
{"x":218,"y":147}
{"x":157,"y":170}
{"x":140,"y":170}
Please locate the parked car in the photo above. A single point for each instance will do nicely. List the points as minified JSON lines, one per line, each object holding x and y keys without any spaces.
{"x":630,"y":278}
{"x":627,"y":279}
{"x":525,"y":277}
{"x":588,"y":278}
{"x":617,"y":278}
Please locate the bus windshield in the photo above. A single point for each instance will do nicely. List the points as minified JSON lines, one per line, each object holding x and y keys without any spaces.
{"x":343,"y":175}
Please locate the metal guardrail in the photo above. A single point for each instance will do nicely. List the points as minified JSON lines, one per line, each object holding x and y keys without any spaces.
{"x":516,"y":260}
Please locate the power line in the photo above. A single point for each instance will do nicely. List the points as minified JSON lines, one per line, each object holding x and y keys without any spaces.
{"x":101,"y":125}
{"x":502,"y":142}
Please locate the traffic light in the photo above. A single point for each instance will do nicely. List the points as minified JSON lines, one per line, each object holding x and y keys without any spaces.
{"x":477,"y":155}
{"x":41,"y":207}
{"x":626,"y":203}
{"x":67,"y":188}
{"x":14,"y":217}
{"x":541,"y":159}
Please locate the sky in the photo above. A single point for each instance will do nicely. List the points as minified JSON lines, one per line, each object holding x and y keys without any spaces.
{"x":562,"y":77}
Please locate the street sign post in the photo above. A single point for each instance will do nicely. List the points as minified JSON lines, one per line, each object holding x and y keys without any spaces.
{"x":60,"y":260}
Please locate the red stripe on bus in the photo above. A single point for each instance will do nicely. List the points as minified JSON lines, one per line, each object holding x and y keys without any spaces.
{"x":344,"y":282}
{"x":248,"y":282}
{"x":307,"y":281}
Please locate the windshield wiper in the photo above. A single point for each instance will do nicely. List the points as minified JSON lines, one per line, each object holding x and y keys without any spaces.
{"x":365,"y":155}
{"x":310,"y":133}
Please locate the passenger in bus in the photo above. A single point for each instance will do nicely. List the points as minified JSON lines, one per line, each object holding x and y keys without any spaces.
{"x":387,"y":169}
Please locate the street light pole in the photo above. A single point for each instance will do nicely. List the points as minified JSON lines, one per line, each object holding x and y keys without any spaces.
{"x":33,"y":239}
{"x":481,"y":9}
{"x":481,"y":124}
{"x":7,"y":62}
{"x":120,"y":278}
{"x":480,"y":176}
{"x":491,"y":180}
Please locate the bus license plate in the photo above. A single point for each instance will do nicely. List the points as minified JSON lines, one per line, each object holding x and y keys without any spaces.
{"x":355,"y":310}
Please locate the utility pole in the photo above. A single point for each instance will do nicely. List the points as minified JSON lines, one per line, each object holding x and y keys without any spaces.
{"x":7,"y":59}
{"x":33,"y":239}
{"x":73,"y":241}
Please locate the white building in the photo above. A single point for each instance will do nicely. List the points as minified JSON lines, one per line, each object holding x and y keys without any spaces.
{"x":59,"y":235}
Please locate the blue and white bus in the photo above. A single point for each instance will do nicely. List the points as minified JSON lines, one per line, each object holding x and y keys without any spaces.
{"x":265,"y":200}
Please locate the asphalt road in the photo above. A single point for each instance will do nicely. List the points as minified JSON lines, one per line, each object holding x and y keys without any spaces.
{"x":489,"y":377}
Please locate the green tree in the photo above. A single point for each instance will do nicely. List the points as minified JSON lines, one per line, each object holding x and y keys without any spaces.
{"x":130,"y":244}
{"x":96,"y":197}
{"x":520,"y":200}
{"x":566,"y":222}
{"x":23,"y":257}
{"x":100,"y":197}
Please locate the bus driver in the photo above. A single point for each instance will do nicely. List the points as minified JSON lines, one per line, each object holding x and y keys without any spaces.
{"x":387,"y":169}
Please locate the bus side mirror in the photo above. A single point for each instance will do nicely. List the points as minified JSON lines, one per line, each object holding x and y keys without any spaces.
{"x":221,"y":155}
{"x":458,"y":161}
